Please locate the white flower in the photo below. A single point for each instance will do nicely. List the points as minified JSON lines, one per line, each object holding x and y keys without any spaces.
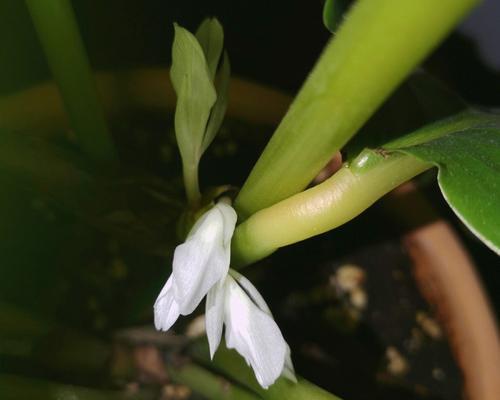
{"x":201,"y":267}
{"x":250,"y":328}
{"x":200,"y":262}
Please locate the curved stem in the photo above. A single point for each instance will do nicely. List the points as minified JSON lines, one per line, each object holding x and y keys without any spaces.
{"x":376,"y":47}
{"x":326,"y":206}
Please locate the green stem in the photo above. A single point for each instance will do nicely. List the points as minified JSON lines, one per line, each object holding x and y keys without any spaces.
{"x":326,"y":206}
{"x":233,"y":365}
{"x":210,"y":385}
{"x":57,"y":30}
{"x":191,"y":184}
{"x":376,"y":47}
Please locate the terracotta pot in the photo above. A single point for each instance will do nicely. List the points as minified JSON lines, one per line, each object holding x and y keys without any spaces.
{"x":447,"y":278}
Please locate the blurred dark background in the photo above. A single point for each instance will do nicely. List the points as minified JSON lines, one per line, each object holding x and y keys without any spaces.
{"x":271,"y":42}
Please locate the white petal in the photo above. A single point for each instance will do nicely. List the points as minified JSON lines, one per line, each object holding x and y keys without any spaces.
{"x":214,"y":315}
{"x":230,"y":217}
{"x":204,"y":258}
{"x":251,"y":290}
{"x":289,"y":370}
{"x":254,"y":334}
{"x":166,"y":309}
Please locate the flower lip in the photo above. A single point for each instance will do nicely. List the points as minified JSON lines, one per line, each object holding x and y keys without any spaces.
{"x":250,"y":328}
{"x":254,"y":334}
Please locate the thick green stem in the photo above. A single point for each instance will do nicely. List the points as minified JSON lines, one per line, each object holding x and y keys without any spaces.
{"x":210,"y":385}
{"x":57,"y":30}
{"x":379,"y":43}
{"x":326,"y":206}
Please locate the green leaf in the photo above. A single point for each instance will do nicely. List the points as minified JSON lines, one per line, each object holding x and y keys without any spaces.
{"x":14,"y":387}
{"x":466,"y":149}
{"x":195,"y":94}
{"x":332,"y":14}
{"x":220,"y":106}
{"x":210,"y":35}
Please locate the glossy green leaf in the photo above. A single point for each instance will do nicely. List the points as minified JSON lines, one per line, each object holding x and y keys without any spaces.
{"x":195,"y":94}
{"x":220,"y":106}
{"x":332,"y":14}
{"x":210,"y":35}
{"x":466,"y":149}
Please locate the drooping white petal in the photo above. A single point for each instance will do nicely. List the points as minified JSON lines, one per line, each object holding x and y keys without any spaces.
{"x":254,"y":334}
{"x":251,"y":290}
{"x":166,"y":309}
{"x":204,"y":258}
{"x":214,"y":315}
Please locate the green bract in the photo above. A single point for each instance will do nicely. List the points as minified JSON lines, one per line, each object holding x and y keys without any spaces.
{"x":200,"y":108}
{"x":211,"y":38}
{"x":195,"y":93}
{"x":220,"y":106}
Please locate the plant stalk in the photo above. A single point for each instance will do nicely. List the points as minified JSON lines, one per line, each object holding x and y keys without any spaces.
{"x":57,"y":30}
{"x":328,"y":205}
{"x":234,"y":366}
{"x":376,"y":47}
{"x":210,"y":385}
{"x":191,"y":184}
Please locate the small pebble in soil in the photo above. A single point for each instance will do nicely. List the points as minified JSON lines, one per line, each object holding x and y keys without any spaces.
{"x":349,"y":280}
{"x":348,"y":277}
{"x":429,"y":325}
{"x":397,"y":364}
{"x":358,"y":298}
